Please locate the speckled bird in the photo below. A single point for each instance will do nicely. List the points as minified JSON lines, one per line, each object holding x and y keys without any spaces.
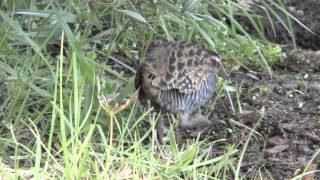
{"x":179,"y":78}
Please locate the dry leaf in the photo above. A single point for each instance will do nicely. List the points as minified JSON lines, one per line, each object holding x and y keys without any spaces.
{"x":277,"y":140}
{"x":114,"y":109}
{"x":125,"y":172}
{"x":277,"y":149}
{"x":312,"y":167}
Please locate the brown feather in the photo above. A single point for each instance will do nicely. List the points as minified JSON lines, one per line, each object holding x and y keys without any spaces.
{"x":181,"y":66}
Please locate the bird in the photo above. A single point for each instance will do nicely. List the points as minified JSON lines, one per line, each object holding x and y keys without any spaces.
{"x":178,"y":78}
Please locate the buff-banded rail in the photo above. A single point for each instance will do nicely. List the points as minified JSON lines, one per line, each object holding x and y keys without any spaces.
{"x":179,"y":77}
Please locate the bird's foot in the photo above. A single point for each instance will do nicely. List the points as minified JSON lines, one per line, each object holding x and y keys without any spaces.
{"x":194,"y":121}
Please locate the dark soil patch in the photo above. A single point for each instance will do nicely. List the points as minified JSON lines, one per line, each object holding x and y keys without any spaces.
{"x":307,"y":12}
{"x":286,"y":110}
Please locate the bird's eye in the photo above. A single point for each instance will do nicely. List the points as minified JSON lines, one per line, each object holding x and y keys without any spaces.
{"x":151,"y":76}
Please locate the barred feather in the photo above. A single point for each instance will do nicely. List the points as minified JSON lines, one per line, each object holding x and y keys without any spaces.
{"x":174,"y":101}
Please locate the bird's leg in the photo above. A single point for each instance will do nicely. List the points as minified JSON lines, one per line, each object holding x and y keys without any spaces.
{"x":200,"y":120}
{"x":160,"y":127}
{"x":193,"y":121}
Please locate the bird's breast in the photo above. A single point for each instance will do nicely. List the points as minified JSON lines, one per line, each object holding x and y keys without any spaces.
{"x":174,"y":101}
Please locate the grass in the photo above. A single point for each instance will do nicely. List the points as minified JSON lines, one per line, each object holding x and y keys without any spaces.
{"x":52,"y":123}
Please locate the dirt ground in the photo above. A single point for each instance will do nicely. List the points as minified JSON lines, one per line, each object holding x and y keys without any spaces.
{"x":285,"y":109}
{"x":307,"y":12}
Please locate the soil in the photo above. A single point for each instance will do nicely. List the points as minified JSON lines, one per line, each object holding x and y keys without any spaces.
{"x":307,"y":12}
{"x":286,"y":110}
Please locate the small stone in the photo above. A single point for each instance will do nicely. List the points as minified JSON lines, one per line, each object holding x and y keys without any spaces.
{"x":254,"y":98}
{"x":300,"y":13}
{"x":291,"y":9}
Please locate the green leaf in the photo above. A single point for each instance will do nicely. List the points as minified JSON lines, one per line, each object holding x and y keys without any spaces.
{"x":67,"y":16}
{"x":165,"y":28}
{"x":127,"y":90}
{"x":203,"y":33}
{"x":41,"y":92}
{"x":134,"y":15}
{"x":86,"y":66}
{"x":191,"y":4}
{"x":189,"y":155}
{"x":16,"y":26}
{"x":111,"y":86}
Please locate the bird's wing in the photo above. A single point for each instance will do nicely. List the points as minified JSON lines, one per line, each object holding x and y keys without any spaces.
{"x":185,"y":67}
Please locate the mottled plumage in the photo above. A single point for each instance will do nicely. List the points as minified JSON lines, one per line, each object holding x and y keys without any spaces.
{"x":179,"y":78}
